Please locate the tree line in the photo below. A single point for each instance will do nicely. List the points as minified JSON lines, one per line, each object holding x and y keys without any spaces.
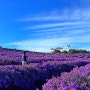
{"x":60,"y":50}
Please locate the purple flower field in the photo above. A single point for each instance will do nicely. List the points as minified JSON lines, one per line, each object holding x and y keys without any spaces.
{"x":44,"y":71}
{"x":77,"y":79}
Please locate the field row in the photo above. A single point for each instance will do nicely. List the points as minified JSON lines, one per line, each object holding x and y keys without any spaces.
{"x":34,"y":75}
{"x":77,"y":79}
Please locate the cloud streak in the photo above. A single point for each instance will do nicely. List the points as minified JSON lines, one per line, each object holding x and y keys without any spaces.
{"x":63,"y":28}
{"x":76,"y":14}
{"x":44,"y":45}
{"x":58,"y":25}
{"x":56,"y":29}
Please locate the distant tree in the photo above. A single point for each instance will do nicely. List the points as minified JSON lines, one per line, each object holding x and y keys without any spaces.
{"x":72,"y":51}
{"x":56,"y":50}
{"x":77,"y":51}
{"x":64,"y":51}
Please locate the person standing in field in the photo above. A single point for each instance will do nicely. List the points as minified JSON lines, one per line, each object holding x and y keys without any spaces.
{"x":24,"y":58}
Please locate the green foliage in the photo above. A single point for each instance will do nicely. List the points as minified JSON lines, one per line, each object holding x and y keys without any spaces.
{"x":77,"y":51}
{"x":64,"y":51}
{"x":56,"y":50}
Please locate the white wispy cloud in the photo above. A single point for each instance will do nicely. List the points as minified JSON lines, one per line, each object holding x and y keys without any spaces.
{"x":44,"y":45}
{"x":59,"y":33}
{"x":39,"y":44}
{"x":76,"y":14}
{"x":58,"y":25}
{"x":65,"y":31}
{"x":79,"y":31}
{"x":67,"y":26}
{"x":75,"y":19}
{"x":63,"y":28}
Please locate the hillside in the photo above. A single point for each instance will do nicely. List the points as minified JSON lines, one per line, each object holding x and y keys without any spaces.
{"x":41,"y":69}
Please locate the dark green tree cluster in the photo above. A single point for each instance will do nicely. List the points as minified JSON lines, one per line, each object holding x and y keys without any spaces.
{"x":56,"y":50}
{"x":77,"y":51}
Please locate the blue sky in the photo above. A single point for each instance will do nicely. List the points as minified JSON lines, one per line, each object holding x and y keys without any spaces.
{"x":38,"y":25}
